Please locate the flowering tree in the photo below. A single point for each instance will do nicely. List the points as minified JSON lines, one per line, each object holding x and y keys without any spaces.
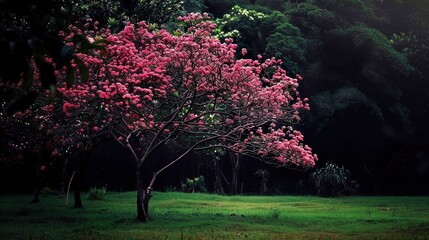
{"x":37,"y":131}
{"x":155,"y":87}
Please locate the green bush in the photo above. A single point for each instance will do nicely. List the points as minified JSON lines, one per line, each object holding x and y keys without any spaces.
{"x":332,"y":180}
{"x":97,"y":193}
{"x":194,"y":185}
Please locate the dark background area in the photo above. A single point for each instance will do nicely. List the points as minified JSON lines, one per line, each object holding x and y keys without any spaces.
{"x":112,"y":167}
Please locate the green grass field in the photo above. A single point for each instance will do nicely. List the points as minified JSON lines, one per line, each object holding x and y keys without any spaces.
{"x":204,"y":216}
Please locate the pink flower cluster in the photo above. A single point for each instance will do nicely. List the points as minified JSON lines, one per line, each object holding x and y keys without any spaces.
{"x":156,"y":82}
{"x":286,"y":145}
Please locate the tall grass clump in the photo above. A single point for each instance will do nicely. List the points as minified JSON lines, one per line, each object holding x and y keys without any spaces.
{"x":332,"y":180}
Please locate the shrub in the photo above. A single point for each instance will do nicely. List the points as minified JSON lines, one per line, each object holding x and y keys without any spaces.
{"x":332,"y":180}
{"x":97,"y":193}
{"x":194,"y":185}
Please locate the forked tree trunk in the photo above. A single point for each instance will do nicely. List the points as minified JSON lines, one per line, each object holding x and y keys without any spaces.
{"x":144,"y":195}
{"x":143,"y":198}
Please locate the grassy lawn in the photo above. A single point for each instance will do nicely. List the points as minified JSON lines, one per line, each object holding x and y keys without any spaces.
{"x":205,"y":216}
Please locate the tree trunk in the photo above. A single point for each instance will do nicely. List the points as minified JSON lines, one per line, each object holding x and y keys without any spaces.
{"x":235,"y":169}
{"x":264,"y":186}
{"x":79,"y":176}
{"x":141,"y":216}
{"x":76,"y":189}
{"x":37,"y":189}
{"x":40,"y":178}
{"x":63,"y":180}
{"x":234,"y":182}
{"x":146,"y":198}
{"x":143,"y":198}
{"x":218,"y":182}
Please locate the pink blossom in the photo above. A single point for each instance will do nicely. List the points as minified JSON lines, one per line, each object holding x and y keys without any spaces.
{"x":281,"y":159}
{"x":151,"y":79}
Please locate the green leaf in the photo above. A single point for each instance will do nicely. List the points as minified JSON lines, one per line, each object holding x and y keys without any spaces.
{"x":153,"y":26}
{"x":177,"y":33}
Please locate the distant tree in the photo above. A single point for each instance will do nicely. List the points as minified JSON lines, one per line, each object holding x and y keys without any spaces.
{"x":269,"y":34}
{"x":407,"y":26}
{"x":245,"y":27}
{"x":372,"y":54}
{"x":277,"y":5}
{"x":194,"y":6}
{"x":219,"y":7}
{"x":354,"y":68}
{"x":286,"y":42}
{"x":155,"y":87}
{"x":263,"y":174}
{"x":349,"y":11}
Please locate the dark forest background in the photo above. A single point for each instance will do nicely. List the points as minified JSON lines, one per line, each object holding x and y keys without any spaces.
{"x":365,"y":65}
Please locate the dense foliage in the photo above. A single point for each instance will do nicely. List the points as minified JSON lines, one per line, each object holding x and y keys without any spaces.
{"x":366,"y":65}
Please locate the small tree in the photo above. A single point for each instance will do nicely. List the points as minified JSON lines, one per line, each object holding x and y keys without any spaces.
{"x":263,"y":174}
